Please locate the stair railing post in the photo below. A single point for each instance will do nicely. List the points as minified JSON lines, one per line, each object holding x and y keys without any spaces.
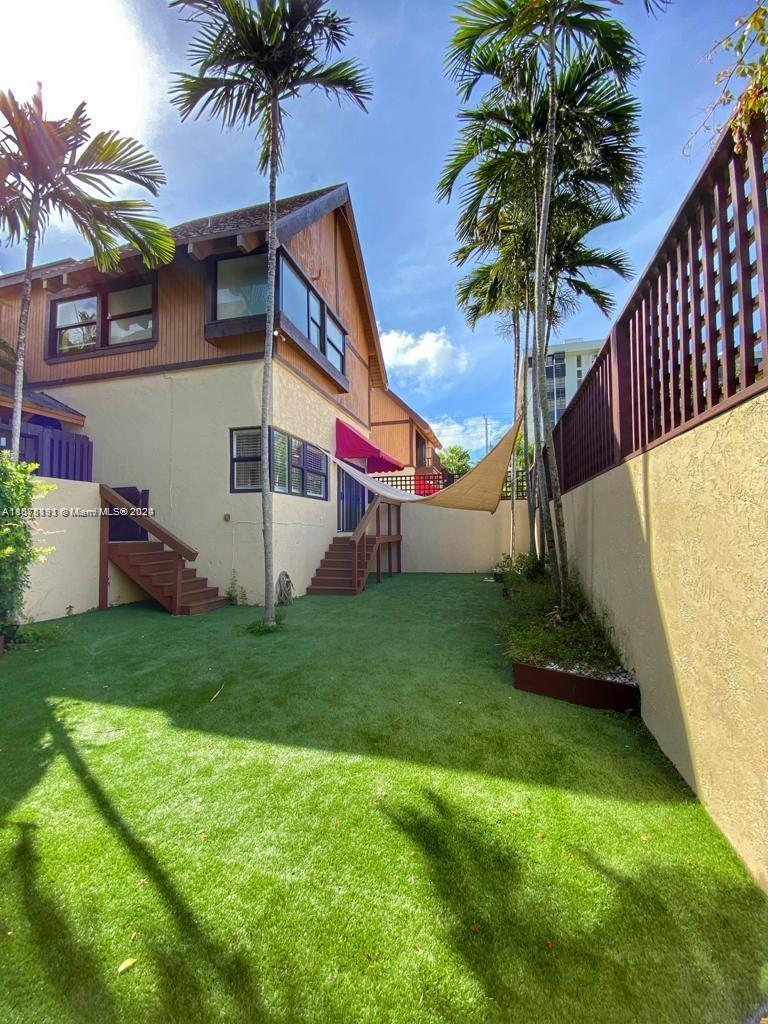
{"x":389,"y":542}
{"x":104,"y":557}
{"x":177,"y":583}
{"x":378,"y":544}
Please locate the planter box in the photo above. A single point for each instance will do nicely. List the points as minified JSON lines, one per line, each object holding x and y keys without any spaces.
{"x":588,"y":691}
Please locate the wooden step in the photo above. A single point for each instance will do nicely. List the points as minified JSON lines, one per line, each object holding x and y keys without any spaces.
{"x":135,"y":547}
{"x":326,"y":572}
{"x":159,"y":579}
{"x":192,"y":586}
{"x":147,"y":557}
{"x":209,"y":604}
{"x":323,"y":589}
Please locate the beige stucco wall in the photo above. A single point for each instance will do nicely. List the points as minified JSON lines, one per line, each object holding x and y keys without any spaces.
{"x":671,"y":548}
{"x":170,"y":433}
{"x":69,"y":576}
{"x":450,"y":540}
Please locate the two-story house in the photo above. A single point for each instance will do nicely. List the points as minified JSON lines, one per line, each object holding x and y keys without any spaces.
{"x":162,"y":371}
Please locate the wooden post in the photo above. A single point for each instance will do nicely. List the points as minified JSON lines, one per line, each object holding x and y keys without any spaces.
{"x":400,"y":541}
{"x":760,"y":211}
{"x":178,"y":577}
{"x":378,"y":544}
{"x":389,"y":542}
{"x":104,"y":559}
{"x":621,"y":392}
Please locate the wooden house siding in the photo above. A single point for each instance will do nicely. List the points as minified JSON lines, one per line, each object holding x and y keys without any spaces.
{"x":324,"y":252}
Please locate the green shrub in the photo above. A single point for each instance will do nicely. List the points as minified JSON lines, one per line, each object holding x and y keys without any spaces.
{"x":539,"y":634}
{"x":526,"y":567}
{"x":18,"y":490}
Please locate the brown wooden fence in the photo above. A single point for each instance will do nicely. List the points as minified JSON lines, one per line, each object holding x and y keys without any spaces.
{"x":691,"y":341}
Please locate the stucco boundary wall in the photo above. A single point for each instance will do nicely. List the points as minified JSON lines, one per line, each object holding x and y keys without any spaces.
{"x":67,"y":582}
{"x":450,"y":540}
{"x":671,"y":550}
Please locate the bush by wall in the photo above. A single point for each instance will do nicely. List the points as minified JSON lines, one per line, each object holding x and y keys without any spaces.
{"x":18,"y":490}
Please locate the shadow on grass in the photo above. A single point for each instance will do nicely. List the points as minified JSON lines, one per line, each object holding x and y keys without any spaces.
{"x":400,"y":672}
{"x":528,"y":929}
{"x":193,"y":969}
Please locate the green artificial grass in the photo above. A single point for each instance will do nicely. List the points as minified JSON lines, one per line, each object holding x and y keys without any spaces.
{"x":357,"y":819}
{"x":578,"y":643}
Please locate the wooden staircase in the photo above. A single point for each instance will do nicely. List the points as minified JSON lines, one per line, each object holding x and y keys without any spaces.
{"x":159,"y":567}
{"x":349,"y":559}
{"x":154,"y":568}
{"x":336,"y":573}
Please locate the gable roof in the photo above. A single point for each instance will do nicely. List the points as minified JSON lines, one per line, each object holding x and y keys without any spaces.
{"x":294,"y":213}
{"x":420,"y":422}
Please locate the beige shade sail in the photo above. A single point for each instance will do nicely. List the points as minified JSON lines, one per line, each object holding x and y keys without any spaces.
{"x":479,"y":490}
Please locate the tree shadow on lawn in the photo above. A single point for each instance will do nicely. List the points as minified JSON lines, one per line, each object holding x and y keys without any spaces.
{"x":193,"y":970}
{"x":563,"y":936}
{"x":383,"y":675}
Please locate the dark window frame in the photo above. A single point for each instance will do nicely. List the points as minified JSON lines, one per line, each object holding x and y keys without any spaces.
{"x":291,"y":439}
{"x":101,"y":293}
{"x":301,"y":466}
{"x":212,"y":287}
{"x":234,"y":459}
{"x":326,"y":312}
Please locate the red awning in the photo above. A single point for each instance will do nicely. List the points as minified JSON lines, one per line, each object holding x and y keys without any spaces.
{"x":352,"y":445}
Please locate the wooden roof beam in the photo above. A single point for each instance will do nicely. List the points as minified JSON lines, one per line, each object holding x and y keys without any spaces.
{"x":247,"y":241}
{"x":202,"y":249}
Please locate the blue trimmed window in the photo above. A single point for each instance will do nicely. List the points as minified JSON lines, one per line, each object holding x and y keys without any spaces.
{"x":297,"y":467}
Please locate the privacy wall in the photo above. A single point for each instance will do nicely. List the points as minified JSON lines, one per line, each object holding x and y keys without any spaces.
{"x":671,"y":549}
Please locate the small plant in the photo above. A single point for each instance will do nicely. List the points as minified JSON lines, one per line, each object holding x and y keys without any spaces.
{"x":259,"y":627}
{"x":540,"y":633}
{"x":33,"y":634}
{"x":19,"y":488}
{"x":526,"y":567}
{"x":236,"y":594}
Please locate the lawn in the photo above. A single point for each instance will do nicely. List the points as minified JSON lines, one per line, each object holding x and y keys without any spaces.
{"x":367,"y":824}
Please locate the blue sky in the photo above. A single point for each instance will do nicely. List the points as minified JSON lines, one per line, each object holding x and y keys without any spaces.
{"x":391,"y":159}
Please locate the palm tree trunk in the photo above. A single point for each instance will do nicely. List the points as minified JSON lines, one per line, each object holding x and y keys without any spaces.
{"x":526,"y":439}
{"x":558,"y":554}
{"x":541,"y":476}
{"x":516,"y":400}
{"x":26,"y":296}
{"x":266,"y":390}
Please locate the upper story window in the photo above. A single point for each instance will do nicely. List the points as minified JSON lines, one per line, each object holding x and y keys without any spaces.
{"x":307,"y":311}
{"x":104,"y":319}
{"x":241,"y":286}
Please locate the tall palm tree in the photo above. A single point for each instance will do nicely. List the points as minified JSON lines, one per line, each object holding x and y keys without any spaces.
{"x":509,"y":38}
{"x":52,"y":167}
{"x":249,"y":61}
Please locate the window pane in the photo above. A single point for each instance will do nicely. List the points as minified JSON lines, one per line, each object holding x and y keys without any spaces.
{"x":314,"y":333}
{"x":129,"y":300}
{"x":247,"y":443}
{"x":297,"y":482}
{"x":76,"y":311}
{"x":335,"y":357}
{"x":76,"y":339}
{"x":130,"y":328}
{"x":333,"y":334}
{"x":315,"y":485}
{"x":293,"y":297}
{"x":247,"y":475}
{"x":314,"y":459}
{"x":296,"y":450}
{"x":280,"y":461}
{"x":241,"y":287}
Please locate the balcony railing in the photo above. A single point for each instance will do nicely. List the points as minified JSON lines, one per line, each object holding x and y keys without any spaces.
{"x":58,"y":453}
{"x":692,"y":341}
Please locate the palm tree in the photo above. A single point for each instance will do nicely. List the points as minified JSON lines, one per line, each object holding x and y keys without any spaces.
{"x":249,"y":62}
{"x":54,"y":167}
{"x":518,"y":40}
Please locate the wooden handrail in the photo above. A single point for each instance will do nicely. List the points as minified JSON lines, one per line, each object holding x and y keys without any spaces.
{"x":111,"y":497}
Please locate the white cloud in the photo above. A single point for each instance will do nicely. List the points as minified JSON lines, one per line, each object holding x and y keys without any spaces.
{"x":420,"y":359}
{"x":91,"y":50}
{"x":469,"y":432}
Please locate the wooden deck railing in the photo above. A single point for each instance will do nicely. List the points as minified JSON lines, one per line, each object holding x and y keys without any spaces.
{"x":692,"y":340}
{"x":183,"y":552}
{"x":363,"y":554}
